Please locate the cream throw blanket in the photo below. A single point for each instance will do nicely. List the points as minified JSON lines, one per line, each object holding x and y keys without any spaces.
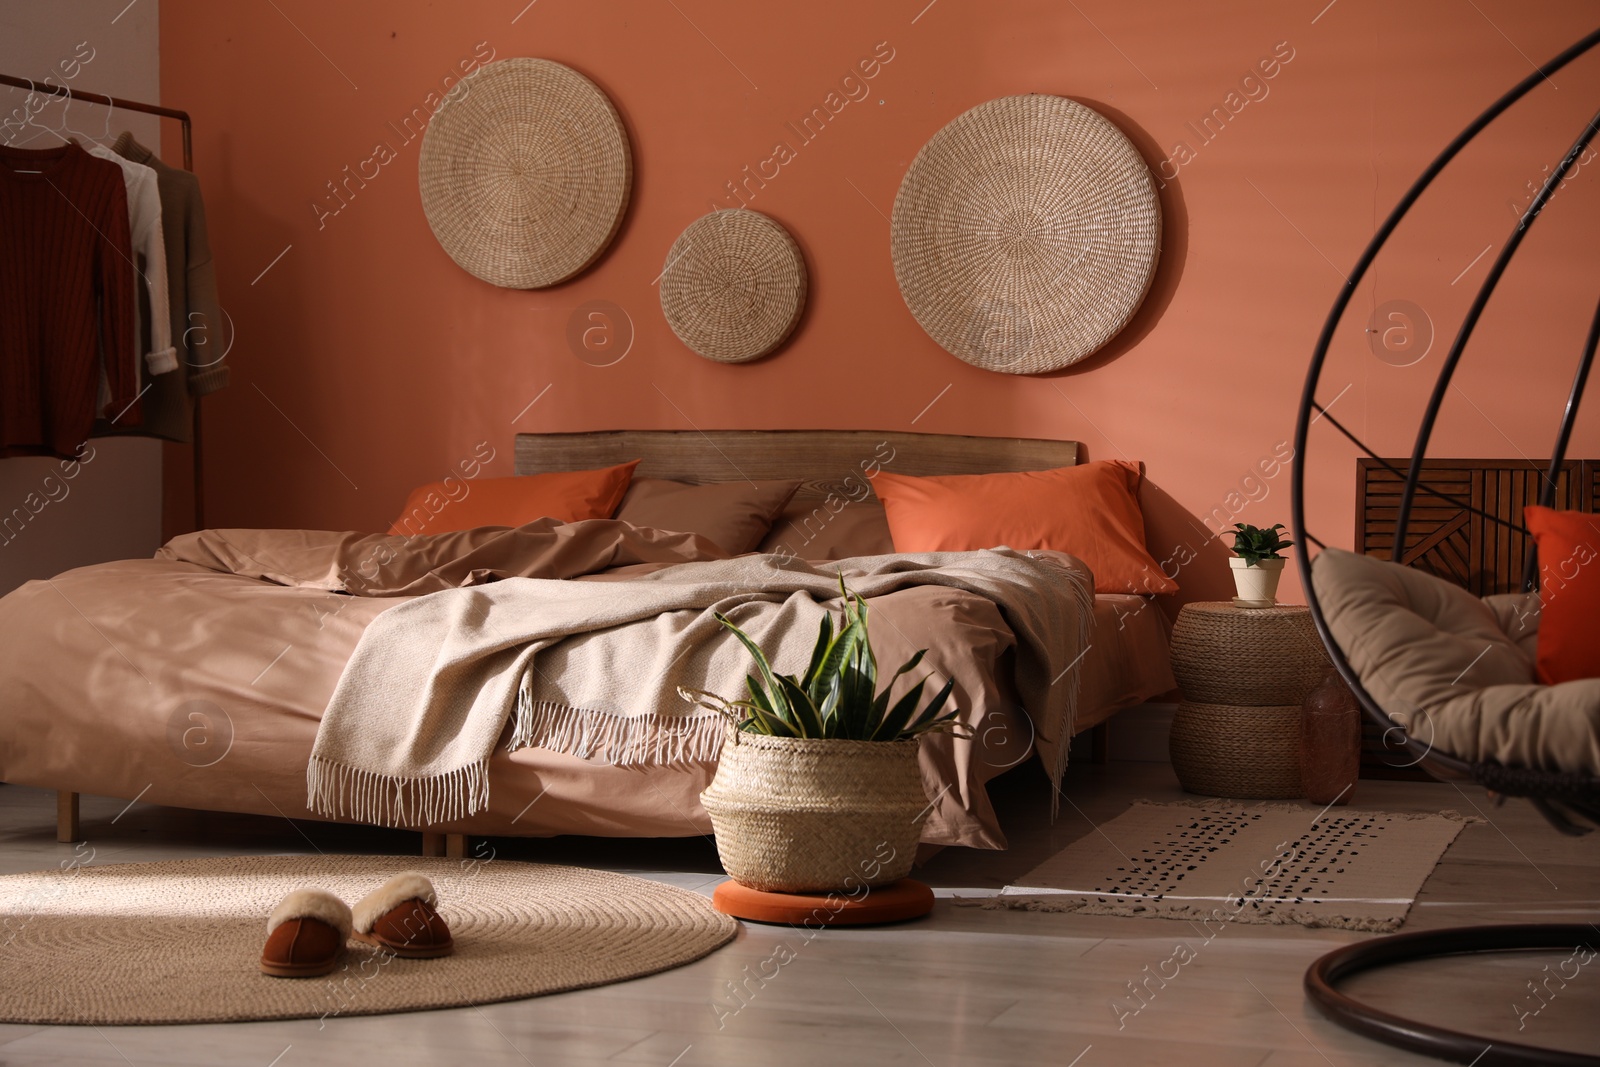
{"x":592,"y":668}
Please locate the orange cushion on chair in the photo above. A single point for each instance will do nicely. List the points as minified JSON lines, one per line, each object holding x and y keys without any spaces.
{"x":1090,"y":511}
{"x":1569,"y":593}
{"x":462,"y":504}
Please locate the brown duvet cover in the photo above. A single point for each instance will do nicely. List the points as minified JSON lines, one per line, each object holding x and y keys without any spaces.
{"x":182,"y":682}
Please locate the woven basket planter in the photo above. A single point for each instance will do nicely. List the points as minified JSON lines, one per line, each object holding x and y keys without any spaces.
{"x":797,"y":815}
{"x":1226,"y":750}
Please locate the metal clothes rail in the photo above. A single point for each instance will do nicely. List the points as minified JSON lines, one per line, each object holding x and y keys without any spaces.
{"x":110,"y":101}
{"x":142,"y":108}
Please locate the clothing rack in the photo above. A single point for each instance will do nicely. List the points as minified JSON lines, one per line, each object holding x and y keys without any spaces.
{"x":188,"y":164}
{"x":111,"y":101}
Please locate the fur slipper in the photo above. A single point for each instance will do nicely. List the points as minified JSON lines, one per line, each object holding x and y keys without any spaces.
{"x":399,"y":917}
{"x":306,"y":933}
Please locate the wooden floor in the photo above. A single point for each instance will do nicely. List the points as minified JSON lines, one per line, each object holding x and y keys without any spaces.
{"x":965,"y":986}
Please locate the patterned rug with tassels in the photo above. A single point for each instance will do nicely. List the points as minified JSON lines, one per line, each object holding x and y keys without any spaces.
{"x":1227,"y":861}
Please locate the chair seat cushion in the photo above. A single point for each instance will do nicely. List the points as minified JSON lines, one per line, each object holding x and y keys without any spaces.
{"x":1441,"y":663}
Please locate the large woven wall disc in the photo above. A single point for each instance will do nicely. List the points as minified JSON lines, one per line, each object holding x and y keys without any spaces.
{"x":734,"y":285}
{"x":1025,"y":234}
{"x":525,"y":172}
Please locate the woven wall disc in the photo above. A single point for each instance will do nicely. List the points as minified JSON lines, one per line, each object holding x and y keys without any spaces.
{"x":1025,"y":234}
{"x":525,"y":172}
{"x":734,"y":285}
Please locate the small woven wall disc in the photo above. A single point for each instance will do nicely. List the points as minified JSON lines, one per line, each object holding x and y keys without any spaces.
{"x":525,"y":172}
{"x":734,"y":285}
{"x":1025,"y":234}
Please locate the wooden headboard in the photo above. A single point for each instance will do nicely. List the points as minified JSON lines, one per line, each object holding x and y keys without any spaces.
{"x":821,"y":459}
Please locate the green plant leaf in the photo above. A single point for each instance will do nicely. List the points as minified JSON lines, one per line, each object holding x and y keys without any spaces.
{"x":837,"y":696}
{"x":804,"y":714}
{"x":1253,"y":544}
{"x":819,"y":652}
{"x":841,"y":648}
{"x":909,"y":665}
{"x":774,"y":691}
{"x":759,"y":721}
{"x":930,"y":719}
{"x":899,"y":716}
{"x":880,"y":708}
{"x":826,"y":696}
{"x":855,"y":708}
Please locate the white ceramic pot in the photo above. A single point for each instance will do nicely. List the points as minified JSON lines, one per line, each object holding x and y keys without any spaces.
{"x":1258,"y":583}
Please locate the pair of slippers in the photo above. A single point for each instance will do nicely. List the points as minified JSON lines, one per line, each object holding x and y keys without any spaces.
{"x":307,"y":931}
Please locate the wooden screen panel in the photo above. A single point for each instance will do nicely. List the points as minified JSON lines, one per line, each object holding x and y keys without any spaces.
{"x":1453,"y":542}
{"x":820,"y":459}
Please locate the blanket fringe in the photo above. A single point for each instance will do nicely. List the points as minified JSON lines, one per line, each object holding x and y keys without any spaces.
{"x":340,"y":791}
{"x":1083,"y":601}
{"x":619,"y":740}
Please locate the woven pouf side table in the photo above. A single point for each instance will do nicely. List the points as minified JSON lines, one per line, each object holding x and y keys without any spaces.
{"x":1243,"y":673}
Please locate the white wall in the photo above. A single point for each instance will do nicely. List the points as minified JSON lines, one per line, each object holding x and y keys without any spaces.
{"x":112,"y":508}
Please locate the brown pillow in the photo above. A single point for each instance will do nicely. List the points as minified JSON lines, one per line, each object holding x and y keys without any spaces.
{"x":733,"y":515}
{"x":833,"y":528}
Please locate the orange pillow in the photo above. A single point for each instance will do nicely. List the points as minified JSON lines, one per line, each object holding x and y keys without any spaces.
{"x":1569,"y":593}
{"x":461,"y":504}
{"x":1091,"y":511}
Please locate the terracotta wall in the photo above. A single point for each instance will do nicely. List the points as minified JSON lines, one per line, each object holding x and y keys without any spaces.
{"x":366,"y":361}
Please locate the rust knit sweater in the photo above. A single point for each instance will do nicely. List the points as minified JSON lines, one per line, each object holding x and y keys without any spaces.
{"x":66,"y":296}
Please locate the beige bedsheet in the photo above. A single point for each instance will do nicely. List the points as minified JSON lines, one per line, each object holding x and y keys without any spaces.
{"x":180,"y":685}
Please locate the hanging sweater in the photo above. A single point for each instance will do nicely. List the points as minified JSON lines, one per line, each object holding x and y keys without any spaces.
{"x":198,"y":327}
{"x":66,"y":286}
{"x":145,"y":224}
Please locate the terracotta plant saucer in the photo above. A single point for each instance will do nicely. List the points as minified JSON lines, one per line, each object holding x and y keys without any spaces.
{"x":896,"y":902}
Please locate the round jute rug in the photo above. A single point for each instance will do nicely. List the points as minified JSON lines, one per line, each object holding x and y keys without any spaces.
{"x":178,"y":942}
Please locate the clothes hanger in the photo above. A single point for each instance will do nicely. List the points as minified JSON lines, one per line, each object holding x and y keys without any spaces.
{"x":63,"y":129}
{"x":33,"y":121}
{"x":111,"y":110}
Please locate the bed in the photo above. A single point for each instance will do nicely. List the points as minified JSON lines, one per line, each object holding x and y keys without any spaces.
{"x":221,"y":712}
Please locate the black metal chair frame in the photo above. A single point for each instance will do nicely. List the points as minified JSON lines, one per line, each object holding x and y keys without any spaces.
{"x":1567,"y":800}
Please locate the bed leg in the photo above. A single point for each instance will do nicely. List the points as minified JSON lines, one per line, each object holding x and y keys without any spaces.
{"x":453,"y":846}
{"x":1100,"y":743}
{"x":66,"y":816}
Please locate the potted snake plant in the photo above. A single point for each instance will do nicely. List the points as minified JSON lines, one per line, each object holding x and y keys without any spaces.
{"x":818,"y":787}
{"x":1257,"y":565}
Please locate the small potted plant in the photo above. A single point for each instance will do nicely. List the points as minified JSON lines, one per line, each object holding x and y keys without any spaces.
{"x":818,"y":787}
{"x":1257,"y":565}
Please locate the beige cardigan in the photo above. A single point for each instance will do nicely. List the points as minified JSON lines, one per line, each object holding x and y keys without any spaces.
{"x":198,"y":329}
